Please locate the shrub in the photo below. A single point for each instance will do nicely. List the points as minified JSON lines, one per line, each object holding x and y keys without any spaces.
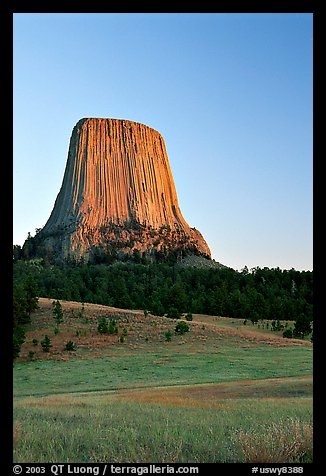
{"x":103,"y":327}
{"x":181,"y":328}
{"x":188,"y":316}
{"x":31,"y":355}
{"x":302,"y":326}
{"x":82,"y":311}
{"x":254,"y":317}
{"x":56,"y":331}
{"x":57,"y":311}
{"x":35,"y":342}
{"x":113,"y":328}
{"x":168,"y":335}
{"x":18,"y":340}
{"x":157,"y":308}
{"x":288,"y":334}
{"x":70,"y":346}
{"x":173,"y":313}
{"x":46,"y":343}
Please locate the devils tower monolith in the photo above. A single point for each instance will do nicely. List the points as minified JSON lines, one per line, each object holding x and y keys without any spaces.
{"x":117,"y":198}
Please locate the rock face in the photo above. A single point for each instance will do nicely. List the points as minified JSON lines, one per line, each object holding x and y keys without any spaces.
{"x":117,"y":196}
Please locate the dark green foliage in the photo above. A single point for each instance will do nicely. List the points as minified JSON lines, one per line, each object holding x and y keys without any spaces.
{"x":123,"y":335}
{"x":57,"y":311}
{"x":173,"y":313}
{"x":188,"y":316}
{"x":81,"y":313}
{"x":269,"y":294}
{"x":70,"y":346}
{"x":254,"y":317}
{"x":168,"y":335}
{"x":17,"y":252}
{"x":35,"y":342}
{"x":302,"y":326}
{"x":46,"y":343}
{"x":31,"y":295}
{"x":113,"y":328}
{"x":18,"y":340}
{"x":25,"y":301}
{"x":181,"y":328}
{"x":157,"y":309}
{"x":103,"y":327}
{"x":176,"y":296}
{"x":288,"y":333}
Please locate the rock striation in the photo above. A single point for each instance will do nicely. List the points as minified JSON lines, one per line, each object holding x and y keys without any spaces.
{"x":117,"y":197}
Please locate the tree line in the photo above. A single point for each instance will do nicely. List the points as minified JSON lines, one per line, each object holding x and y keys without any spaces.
{"x":161,"y":288}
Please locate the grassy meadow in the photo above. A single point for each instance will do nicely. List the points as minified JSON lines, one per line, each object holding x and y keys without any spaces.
{"x":223,"y":392}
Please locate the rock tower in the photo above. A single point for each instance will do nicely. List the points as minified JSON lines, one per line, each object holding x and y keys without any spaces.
{"x":117,"y":197}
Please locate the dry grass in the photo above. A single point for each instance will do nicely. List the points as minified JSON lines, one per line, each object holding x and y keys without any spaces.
{"x":16,"y":433}
{"x":285,"y":442}
{"x":82,"y":330}
{"x":97,"y":427}
{"x":221,"y":394}
{"x":230,"y":327}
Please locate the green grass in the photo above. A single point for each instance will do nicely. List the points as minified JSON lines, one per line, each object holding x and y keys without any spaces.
{"x":134,"y":369}
{"x":96,"y":429}
{"x":212,"y":395}
{"x":96,"y":426}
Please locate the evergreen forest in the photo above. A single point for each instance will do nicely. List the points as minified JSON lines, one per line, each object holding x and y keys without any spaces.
{"x":160,"y":288}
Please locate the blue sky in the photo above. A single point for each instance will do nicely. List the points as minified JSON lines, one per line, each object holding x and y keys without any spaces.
{"x":231,"y":95}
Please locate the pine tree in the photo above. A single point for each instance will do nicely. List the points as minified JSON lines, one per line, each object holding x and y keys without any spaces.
{"x":302,"y":326}
{"x":46,"y":343}
{"x":57,"y":311}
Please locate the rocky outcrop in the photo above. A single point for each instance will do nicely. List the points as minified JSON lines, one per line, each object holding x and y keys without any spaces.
{"x":117,"y":195}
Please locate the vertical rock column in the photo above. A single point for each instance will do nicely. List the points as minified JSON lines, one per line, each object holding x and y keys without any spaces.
{"x":117,"y":172}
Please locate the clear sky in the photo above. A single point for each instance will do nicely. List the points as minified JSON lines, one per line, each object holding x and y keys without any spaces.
{"x":231,"y":95}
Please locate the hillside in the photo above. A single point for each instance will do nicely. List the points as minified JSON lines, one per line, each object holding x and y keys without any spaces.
{"x":209,"y":395}
{"x":80,"y":326}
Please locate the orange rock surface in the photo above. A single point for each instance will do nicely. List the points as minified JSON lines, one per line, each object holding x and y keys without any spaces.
{"x":118,"y":188}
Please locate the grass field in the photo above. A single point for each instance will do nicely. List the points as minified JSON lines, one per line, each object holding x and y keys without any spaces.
{"x":223,"y":392}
